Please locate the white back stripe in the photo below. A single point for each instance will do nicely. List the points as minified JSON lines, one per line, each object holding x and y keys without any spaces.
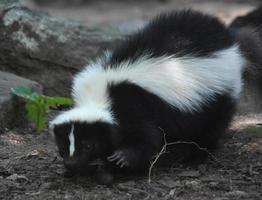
{"x":71,"y":141}
{"x":186,"y":83}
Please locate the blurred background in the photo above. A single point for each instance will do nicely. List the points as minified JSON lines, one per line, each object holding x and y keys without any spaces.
{"x":100,"y":12}
{"x":52,"y":39}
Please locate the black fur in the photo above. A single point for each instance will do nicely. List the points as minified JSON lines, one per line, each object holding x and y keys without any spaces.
{"x":92,"y":141}
{"x":175,"y":33}
{"x":144,"y":120}
{"x":248,"y":30}
{"x":252,"y":19}
{"x":249,"y":35}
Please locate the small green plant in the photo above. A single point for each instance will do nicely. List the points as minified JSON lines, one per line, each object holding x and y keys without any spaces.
{"x":255,"y":130}
{"x":37,"y":105}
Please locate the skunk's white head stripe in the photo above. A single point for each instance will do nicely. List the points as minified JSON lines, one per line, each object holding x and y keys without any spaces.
{"x":186,"y":83}
{"x":71,"y":141}
{"x":84,"y":114}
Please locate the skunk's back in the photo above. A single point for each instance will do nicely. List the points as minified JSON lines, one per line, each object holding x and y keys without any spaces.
{"x":175,"y":34}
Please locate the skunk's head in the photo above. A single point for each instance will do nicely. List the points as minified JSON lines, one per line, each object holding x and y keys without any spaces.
{"x":82,"y":139}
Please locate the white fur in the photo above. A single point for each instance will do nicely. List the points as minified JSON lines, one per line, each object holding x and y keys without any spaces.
{"x":83,"y":114}
{"x":71,"y":141}
{"x":186,"y":83}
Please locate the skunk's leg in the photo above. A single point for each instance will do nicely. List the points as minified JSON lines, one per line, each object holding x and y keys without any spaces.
{"x":140,"y":152}
{"x":126,"y":157}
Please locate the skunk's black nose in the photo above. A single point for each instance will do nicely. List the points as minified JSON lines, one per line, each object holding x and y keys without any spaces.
{"x":71,"y":164}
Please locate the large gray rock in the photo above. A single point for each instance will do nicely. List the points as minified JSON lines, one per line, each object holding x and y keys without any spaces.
{"x":39,"y":36}
{"x":44,"y":48}
{"x":12,"y":112}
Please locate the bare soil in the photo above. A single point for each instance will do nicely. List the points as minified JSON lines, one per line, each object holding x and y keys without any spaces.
{"x":31,"y":169}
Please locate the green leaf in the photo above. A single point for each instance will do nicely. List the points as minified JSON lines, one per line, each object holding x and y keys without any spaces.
{"x":37,"y":106}
{"x":24,"y":92}
{"x":255,"y":130}
{"x":36,"y":113}
{"x":57,"y":101}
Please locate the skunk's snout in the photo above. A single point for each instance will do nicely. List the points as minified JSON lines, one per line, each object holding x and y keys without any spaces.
{"x":71,"y":164}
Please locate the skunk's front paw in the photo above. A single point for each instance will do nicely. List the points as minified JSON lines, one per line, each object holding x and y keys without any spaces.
{"x":120,"y":157}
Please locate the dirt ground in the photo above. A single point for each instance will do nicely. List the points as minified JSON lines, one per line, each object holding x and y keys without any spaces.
{"x":31,"y":169}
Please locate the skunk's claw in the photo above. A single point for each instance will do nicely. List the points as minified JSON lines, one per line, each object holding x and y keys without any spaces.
{"x":115,"y":156}
{"x":120,"y":158}
{"x":124,"y":164}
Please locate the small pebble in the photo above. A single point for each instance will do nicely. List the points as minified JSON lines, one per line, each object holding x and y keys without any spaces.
{"x":236,"y":193}
{"x":168,"y":182}
{"x":16,"y":177}
{"x":195,"y":185}
{"x":46,"y":186}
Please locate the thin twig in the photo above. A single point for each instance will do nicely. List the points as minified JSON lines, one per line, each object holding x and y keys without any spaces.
{"x":163,"y":151}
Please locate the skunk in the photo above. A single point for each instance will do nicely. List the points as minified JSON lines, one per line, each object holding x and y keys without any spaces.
{"x":248,"y":29}
{"x":175,"y":80}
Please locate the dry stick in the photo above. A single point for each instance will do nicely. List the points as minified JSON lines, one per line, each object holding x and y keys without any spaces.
{"x":163,"y":151}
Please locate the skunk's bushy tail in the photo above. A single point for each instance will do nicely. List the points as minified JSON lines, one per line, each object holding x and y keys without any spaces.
{"x":248,"y":30}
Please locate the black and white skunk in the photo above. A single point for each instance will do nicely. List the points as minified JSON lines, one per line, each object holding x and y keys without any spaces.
{"x":177,"y":79}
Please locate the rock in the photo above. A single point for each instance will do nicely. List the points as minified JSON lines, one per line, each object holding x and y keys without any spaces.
{"x":172,"y":192}
{"x":129,"y":183}
{"x":236,"y":193}
{"x":128,"y":27}
{"x":12,"y":111}
{"x":62,"y":42}
{"x":194,"y":185}
{"x":40,"y":153}
{"x":33,"y":193}
{"x":46,"y":186}
{"x":168,"y":182}
{"x":16,"y":177}
{"x":47,"y":49}
{"x":70,"y":2}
